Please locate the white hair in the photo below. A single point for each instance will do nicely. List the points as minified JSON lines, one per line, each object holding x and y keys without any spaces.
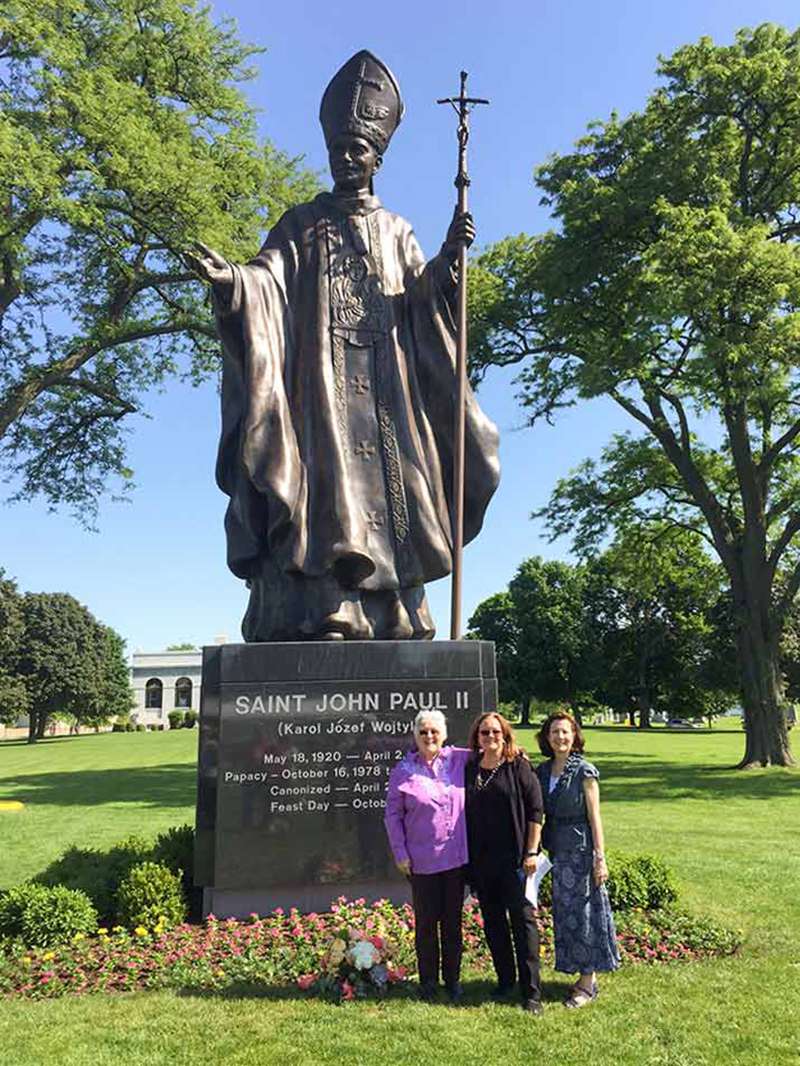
{"x":436,"y":717}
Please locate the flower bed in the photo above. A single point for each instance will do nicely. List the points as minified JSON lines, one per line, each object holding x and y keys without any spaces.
{"x":301,"y":951}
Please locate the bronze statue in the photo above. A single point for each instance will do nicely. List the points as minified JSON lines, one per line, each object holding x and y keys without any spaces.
{"x":338,"y":396}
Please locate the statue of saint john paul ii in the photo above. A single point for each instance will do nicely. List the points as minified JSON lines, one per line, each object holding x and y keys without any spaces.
{"x":338,"y":398}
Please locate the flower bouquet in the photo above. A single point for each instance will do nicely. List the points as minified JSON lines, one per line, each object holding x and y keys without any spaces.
{"x":353,"y":966}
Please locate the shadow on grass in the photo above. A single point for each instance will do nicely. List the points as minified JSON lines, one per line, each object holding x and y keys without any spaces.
{"x":477,"y":993}
{"x":635,"y":776}
{"x":22,"y":742}
{"x":168,"y":785}
{"x":623,"y":778}
{"x":69,"y":738}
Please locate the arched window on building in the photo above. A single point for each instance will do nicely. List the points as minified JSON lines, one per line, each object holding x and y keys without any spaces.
{"x":183,"y":692}
{"x":153,"y":694}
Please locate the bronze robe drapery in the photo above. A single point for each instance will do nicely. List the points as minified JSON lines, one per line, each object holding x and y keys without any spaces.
{"x":338,"y":398}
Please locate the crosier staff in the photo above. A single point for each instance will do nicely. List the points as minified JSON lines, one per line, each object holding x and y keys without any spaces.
{"x":462,"y":105}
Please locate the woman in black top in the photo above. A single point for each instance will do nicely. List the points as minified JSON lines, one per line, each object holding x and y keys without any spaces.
{"x":504,"y":822}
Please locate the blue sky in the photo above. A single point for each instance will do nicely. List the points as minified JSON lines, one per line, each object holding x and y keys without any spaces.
{"x":156,"y":568}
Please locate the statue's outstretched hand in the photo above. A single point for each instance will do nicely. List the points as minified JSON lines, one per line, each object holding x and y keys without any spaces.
{"x":461,"y":231}
{"x":212,"y":267}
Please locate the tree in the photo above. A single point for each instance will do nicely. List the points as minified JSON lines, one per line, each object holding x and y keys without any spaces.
{"x":13,"y":693}
{"x":673,"y":287}
{"x":540,"y":629}
{"x":654,"y":600}
{"x":182,"y":647}
{"x":123,"y":138}
{"x":115,"y":695}
{"x":495,"y":619}
{"x":70,"y":663}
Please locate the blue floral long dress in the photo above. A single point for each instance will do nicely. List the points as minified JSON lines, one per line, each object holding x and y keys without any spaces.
{"x":583,"y":924}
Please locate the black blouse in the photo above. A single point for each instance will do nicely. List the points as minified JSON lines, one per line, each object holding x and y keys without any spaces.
{"x":498,"y":813}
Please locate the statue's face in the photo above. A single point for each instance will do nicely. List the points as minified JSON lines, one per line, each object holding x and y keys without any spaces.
{"x":353,"y":161}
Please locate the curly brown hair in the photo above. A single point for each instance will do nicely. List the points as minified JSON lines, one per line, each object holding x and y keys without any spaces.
{"x":511,"y":750}
{"x":578,"y":743}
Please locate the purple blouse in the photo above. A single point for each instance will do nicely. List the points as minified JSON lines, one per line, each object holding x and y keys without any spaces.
{"x":424,"y":816}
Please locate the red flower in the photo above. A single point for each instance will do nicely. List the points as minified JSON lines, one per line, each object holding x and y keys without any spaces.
{"x":347,"y":990}
{"x":377,"y":942}
{"x":306,"y":980}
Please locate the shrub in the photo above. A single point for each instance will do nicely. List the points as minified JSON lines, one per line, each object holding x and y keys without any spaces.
{"x":129,"y":727}
{"x":190,"y":720}
{"x":84,"y":870}
{"x":175,"y":719}
{"x":150,"y":896}
{"x":643,"y":881}
{"x":97,"y":873}
{"x":141,"y":727}
{"x":627,"y":885}
{"x":662,"y":889}
{"x":43,"y":916}
{"x":174,"y":849}
{"x":639,"y":881}
{"x":118,"y":727}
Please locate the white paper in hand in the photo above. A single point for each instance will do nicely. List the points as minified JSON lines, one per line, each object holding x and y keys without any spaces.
{"x":543,"y":867}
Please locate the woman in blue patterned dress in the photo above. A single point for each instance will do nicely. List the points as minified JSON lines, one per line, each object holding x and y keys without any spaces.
{"x":583,"y":925}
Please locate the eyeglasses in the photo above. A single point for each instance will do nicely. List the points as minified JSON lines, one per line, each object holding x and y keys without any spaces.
{"x":491,"y":732}
{"x":429,"y":732}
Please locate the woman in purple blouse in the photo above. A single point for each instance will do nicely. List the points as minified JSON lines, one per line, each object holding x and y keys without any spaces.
{"x":428,"y":837}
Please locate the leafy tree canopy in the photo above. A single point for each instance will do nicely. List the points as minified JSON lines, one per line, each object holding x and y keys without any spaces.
{"x":124,"y":137}
{"x":70,"y":663}
{"x":658,"y":610}
{"x":641,"y":627}
{"x":673,"y":287}
{"x":13,"y":693}
{"x":542,"y":639}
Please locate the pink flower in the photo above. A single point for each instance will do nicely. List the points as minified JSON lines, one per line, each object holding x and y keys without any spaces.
{"x":306,"y":980}
{"x":347,"y":990}
{"x":377,"y":942}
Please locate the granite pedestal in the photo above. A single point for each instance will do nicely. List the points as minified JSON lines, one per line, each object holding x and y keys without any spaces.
{"x":296,"y":745}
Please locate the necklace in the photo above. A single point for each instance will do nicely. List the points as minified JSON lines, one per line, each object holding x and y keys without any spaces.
{"x":483,"y":782}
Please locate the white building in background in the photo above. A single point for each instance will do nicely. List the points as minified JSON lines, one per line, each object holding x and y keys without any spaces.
{"x":165,"y":681}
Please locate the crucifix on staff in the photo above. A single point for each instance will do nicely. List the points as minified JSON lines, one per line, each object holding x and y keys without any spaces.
{"x":462,"y":105}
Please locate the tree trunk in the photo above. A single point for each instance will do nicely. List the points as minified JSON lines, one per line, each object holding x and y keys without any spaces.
{"x":525,"y":710}
{"x":643,"y":700}
{"x":645,"y":708}
{"x":36,"y":720}
{"x":41,"y":725}
{"x":766,"y":731}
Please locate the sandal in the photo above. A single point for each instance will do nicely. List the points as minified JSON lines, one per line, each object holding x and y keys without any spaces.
{"x":580,"y":996}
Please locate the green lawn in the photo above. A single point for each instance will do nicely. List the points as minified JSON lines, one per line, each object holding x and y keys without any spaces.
{"x":732,"y":838}
{"x":91,"y":790}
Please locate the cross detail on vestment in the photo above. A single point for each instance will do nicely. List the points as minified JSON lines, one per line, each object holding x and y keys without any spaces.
{"x":375,"y":519}
{"x":360,"y":81}
{"x":364,"y":450}
{"x":360,"y":383}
